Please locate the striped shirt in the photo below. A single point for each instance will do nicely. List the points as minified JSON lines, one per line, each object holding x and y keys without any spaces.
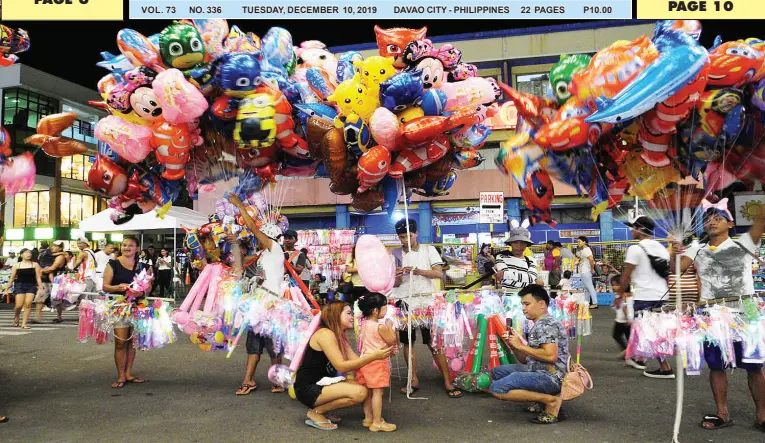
{"x":518,"y":272}
{"x":689,"y":286}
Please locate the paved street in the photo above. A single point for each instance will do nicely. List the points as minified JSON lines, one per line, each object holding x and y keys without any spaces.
{"x":56,"y":389}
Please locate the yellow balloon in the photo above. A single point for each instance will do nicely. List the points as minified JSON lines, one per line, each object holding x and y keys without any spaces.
{"x":219,"y":337}
{"x":291,"y":392}
{"x":206,"y":346}
{"x":194,"y":339}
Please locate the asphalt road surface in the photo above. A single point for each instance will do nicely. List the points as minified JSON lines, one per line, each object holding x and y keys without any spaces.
{"x":56,"y":389}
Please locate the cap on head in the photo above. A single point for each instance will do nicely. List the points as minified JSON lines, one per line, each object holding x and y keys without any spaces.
{"x":291,"y":233}
{"x":401,"y":226}
{"x":643,"y":225}
{"x":59,"y":243}
{"x":271,"y":231}
{"x":83,"y":240}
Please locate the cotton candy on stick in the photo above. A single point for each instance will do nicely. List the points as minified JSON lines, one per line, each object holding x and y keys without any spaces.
{"x":212,"y":288}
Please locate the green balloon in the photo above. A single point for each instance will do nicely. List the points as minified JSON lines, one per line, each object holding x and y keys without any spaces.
{"x":180,"y":46}
{"x":561,"y":73}
{"x":484,"y":381}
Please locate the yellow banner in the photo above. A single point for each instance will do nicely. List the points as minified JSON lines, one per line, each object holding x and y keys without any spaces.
{"x":701,"y":9}
{"x":62,"y":10}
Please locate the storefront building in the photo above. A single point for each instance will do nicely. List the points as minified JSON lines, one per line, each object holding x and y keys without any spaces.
{"x":521,"y":58}
{"x":59,"y":201}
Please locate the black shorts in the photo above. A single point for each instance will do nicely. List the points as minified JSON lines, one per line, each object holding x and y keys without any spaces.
{"x":403,"y":335}
{"x":24,"y":288}
{"x":308,"y":394}
{"x":256,"y":343}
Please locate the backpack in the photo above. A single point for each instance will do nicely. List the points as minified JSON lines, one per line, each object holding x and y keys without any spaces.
{"x":659,"y":265}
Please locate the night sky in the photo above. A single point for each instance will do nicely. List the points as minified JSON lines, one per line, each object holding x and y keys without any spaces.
{"x":71,"y":50}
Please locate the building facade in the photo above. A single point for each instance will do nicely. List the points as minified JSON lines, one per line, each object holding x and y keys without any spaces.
{"x":59,"y":201}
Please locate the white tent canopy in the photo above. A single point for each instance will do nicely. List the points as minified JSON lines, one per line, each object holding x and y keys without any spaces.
{"x":175,"y":218}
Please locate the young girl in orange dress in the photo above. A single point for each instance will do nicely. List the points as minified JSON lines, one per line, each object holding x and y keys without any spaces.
{"x":376,"y":333}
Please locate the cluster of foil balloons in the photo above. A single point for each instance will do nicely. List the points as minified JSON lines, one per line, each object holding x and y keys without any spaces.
{"x":203,"y":101}
{"x":640,"y":116}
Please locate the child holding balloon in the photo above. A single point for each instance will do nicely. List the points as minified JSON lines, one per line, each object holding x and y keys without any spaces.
{"x":376,"y":333}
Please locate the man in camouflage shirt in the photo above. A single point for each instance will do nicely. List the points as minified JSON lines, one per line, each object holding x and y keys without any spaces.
{"x":542,"y":361}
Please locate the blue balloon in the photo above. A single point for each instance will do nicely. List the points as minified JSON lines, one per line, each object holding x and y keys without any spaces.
{"x":106,"y":151}
{"x":345,"y":69}
{"x":391,"y":188}
{"x":402,"y":91}
{"x":680,"y":60}
{"x":238,"y":74}
{"x":433,"y":101}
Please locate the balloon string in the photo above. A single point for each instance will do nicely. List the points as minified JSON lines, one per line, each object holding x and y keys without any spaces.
{"x":408,"y":298}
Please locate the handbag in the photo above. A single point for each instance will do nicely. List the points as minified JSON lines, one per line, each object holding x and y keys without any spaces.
{"x":576,"y":381}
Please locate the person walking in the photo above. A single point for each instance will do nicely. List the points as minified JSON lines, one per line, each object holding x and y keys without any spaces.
{"x":649,"y":283}
{"x":586,"y":267}
{"x":118,"y":276}
{"x":52,"y":263}
{"x":26,"y":278}
{"x":724,"y":267}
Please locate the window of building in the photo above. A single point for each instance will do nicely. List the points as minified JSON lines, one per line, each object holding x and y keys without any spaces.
{"x":82,"y":131}
{"x":535,"y":84}
{"x":76,"y":167}
{"x":31,"y":209}
{"x":26,"y":108}
{"x":76,"y":207}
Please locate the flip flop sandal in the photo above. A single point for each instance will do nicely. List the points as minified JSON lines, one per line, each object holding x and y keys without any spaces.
{"x":451,"y":393}
{"x":246,"y":389}
{"x":4,"y":419}
{"x":534,"y":409}
{"x":119,"y":385}
{"x":25,"y":327}
{"x":545,"y":419}
{"x":276,"y":389}
{"x":412,"y":391}
{"x":58,"y":320}
{"x":136,"y":380}
{"x":16,"y":324}
{"x":716,"y":421}
{"x":338,"y":420}
{"x":317,"y":424}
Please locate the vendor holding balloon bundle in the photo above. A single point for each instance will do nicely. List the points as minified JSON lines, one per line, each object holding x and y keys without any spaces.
{"x":118,"y":276}
{"x":271,"y":266}
{"x":416,"y":267}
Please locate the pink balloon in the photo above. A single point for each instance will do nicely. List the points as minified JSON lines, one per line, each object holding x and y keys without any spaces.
{"x":385,"y":128}
{"x":376,"y":267}
{"x":128,"y":140}
{"x":313,"y":327}
{"x":181,"y":317}
{"x":457,"y":364}
{"x":471,"y":92}
{"x":190,"y":328}
{"x":181,"y":102}
{"x":18,"y":174}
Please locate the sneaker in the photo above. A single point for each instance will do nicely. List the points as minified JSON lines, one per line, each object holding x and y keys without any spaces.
{"x":658,"y":373}
{"x":635,"y":364}
{"x":69,"y":308}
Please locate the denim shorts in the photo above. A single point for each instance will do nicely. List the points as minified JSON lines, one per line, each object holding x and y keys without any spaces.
{"x":517,"y":376}
{"x":25,"y":288}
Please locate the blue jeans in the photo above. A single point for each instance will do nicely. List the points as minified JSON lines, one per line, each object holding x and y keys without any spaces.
{"x":589,"y":288}
{"x":518,"y":376}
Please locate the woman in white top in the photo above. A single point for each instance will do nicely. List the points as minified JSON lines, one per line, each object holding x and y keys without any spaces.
{"x":164,"y":272}
{"x":586,"y":265}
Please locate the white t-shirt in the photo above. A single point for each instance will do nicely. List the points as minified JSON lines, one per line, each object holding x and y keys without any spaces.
{"x":725,"y":271}
{"x":161,"y":264}
{"x":647,"y":285}
{"x":565,"y":284}
{"x":424,"y":258}
{"x":102,"y":260}
{"x":11,"y":261}
{"x":271,"y":267}
{"x":621,"y":316}
{"x":584,"y":261}
{"x":518,"y":272}
{"x":88,"y":264}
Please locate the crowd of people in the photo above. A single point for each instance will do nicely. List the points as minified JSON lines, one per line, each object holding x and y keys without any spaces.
{"x":333,"y":376}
